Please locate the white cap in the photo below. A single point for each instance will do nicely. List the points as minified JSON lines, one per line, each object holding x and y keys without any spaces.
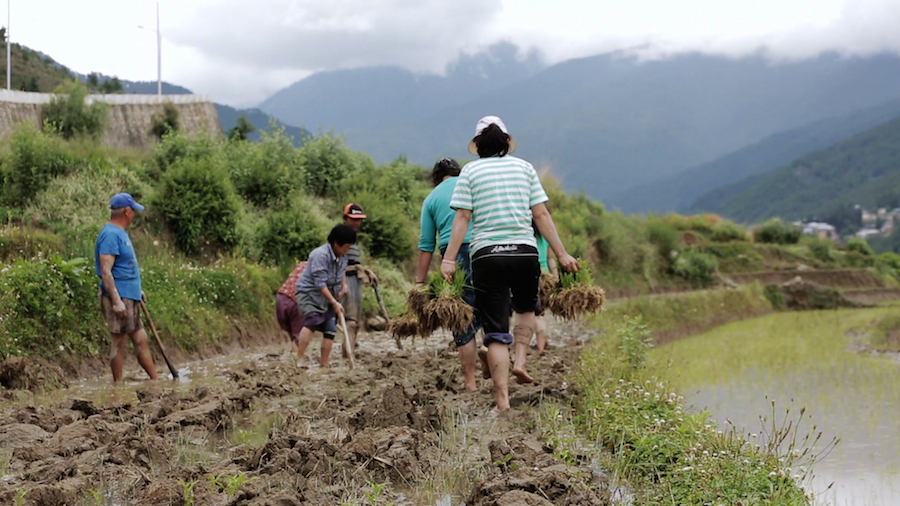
{"x":486,"y":122}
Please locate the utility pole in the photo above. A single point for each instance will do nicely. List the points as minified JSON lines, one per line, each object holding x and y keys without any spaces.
{"x":158,"y":53}
{"x":8,"y":47}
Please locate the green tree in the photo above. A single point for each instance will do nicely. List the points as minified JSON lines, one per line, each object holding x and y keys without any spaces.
{"x":32,"y":84}
{"x":242,"y":129}
{"x":165,"y":121}
{"x":68,"y":115}
{"x":112,"y":85}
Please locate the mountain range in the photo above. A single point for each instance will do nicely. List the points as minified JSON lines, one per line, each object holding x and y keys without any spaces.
{"x":678,"y":192}
{"x":605,"y":124}
{"x":863,"y":170}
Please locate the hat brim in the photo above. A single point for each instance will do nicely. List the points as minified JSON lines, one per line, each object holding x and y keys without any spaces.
{"x":356,"y":216}
{"x":137,"y":207}
{"x":473,"y":149}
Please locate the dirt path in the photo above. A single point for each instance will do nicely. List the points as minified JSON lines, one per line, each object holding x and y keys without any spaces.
{"x":256,"y":429}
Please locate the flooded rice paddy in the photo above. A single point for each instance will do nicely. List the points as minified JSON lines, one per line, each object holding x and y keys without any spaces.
{"x":776,"y":365}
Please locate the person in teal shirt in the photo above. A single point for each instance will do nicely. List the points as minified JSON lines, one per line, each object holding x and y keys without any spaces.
{"x":437,"y":221}
{"x":548,"y":264}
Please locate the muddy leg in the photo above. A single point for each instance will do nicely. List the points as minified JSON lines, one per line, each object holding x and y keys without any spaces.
{"x":327,"y":343}
{"x":541,"y":325}
{"x":498,"y":360}
{"x":522,"y":333}
{"x":485,"y":367}
{"x":117,"y":354}
{"x":294,"y":340}
{"x":467,"y":360}
{"x":303,"y":342}
{"x":142,"y":352}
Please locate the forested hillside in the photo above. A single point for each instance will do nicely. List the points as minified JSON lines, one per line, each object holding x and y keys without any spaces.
{"x":680,"y":190}
{"x":863,"y":170}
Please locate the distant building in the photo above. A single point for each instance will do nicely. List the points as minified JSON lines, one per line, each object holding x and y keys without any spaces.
{"x":821,"y":230}
{"x":868,"y":232}
{"x":869,"y":219}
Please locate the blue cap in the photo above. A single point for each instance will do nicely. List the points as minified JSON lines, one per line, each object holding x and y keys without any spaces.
{"x":120,"y":200}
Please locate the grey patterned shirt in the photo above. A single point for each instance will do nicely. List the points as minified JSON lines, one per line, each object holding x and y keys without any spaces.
{"x":323,"y":269}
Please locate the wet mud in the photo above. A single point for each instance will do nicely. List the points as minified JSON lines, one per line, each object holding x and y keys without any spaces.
{"x":259,"y":429}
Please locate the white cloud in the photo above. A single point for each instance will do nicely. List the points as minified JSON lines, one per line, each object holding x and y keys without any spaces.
{"x":312,"y":35}
{"x":240,"y":51}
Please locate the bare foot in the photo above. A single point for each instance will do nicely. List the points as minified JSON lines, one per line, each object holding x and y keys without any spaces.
{"x":496,"y":411}
{"x":522,"y":376}
{"x":472,"y":387}
{"x":485,"y":368}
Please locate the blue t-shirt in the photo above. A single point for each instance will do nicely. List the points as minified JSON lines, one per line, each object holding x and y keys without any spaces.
{"x":125,"y":271}
{"x":437,"y":217}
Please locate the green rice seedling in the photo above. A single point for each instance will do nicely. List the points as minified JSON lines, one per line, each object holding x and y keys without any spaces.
{"x":187,"y":489}
{"x":232,"y":484}
{"x":447,"y":307}
{"x":577,"y":295}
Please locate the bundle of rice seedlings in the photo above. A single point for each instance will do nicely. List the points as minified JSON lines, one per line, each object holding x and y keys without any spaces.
{"x":546,"y":288}
{"x":577,"y":295}
{"x":447,"y":308}
{"x":405,"y":326}
{"x":416,"y":300}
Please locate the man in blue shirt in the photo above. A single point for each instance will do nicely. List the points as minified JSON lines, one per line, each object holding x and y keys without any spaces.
{"x":120,"y":286}
{"x":437,"y":220}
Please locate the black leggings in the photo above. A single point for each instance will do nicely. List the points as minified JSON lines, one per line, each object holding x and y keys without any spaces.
{"x":504,"y":274}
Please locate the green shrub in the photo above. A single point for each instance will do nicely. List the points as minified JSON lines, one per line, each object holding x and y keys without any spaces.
{"x":387,"y":233}
{"x":80,"y":200}
{"x":165,"y":121}
{"x":821,"y":249}
{"x":32,"y":161}
{"x":69,"y":116}
{"x":200,"y":205}
{"x":697,"y":267}
{"x":666,"y":240}
{"x":264,"y":172}
{"x":774,"y":296}
{"x":49,"y":308}
{"x":726,"y":231}
{"x":326,"y":162}
{"x":177,"y":146}
{"x":860,"y":246}
{"x":890,"y":259}
{"x":289,"y":233}
{"x":776,"y":231}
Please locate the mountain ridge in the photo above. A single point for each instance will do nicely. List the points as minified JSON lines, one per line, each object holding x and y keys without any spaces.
{"x":677,"y":192}
{"x":862,"y":170}
{"x":607,"y":123}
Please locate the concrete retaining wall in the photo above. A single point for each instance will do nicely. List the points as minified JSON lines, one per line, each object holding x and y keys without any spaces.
{"x":129,"y":117}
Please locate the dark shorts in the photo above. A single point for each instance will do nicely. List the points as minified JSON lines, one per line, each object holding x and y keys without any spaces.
{"x":132,"y":321}
{"x":464,"y":261}
{"x":504,"y":276}
{"x":352,"y":302}
{"x":326,"y":323}
{"x":288,"y":315}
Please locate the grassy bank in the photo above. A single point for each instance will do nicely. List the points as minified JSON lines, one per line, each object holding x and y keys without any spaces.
{"x":660,"y":452}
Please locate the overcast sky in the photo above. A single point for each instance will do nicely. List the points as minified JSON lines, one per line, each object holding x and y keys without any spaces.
{"x":240,"y":51}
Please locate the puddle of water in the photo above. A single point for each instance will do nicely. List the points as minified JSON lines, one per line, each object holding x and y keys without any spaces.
{"x":800,"y":360}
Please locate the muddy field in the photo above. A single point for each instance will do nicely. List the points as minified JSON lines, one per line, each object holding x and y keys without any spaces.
{"x":256,"y":428}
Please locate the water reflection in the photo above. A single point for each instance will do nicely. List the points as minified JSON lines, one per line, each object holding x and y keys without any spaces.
{"x":802,"y":360}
